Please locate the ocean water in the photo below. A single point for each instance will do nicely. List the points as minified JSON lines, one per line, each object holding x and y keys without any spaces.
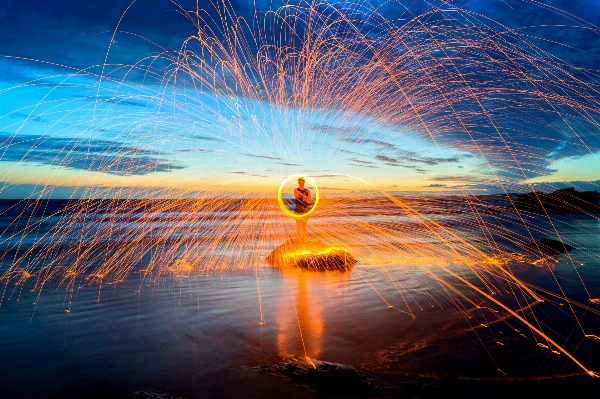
{"x":200,"y":335}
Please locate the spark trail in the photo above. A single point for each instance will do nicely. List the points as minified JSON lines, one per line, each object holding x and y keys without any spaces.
{"x":177,"y":158}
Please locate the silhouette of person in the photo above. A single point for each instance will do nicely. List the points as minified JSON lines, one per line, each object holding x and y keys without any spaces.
{"x":303,"y":201}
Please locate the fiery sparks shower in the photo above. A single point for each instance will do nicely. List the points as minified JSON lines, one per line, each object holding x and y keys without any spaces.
{"x":175,"y":159}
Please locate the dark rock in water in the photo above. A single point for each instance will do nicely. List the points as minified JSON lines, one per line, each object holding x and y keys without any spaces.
{"x":328,"y":378}
{"x":345,"y":381}
{"x":548,"y":246}
{"x":493,"y":211}
{"x":149,"y":395}
{"x":310,"y":255}
{"x":567,"y":200}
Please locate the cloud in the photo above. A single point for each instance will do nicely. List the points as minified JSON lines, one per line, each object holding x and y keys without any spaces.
{"x":118,"y":101}
{"x":364,"y":140}
{"x":364,"y":166}
{"x":458,"y":179}
{"x":526,"y":121}
{"x":78,"y":33}
{"x":246,"y":174}
{"x":436,"y":185}
{"x":262,"y":156}
{"x":103,"y":156}
{"x":206,"y":138}
{"x":354,"y":135}
{"x":394,"y":162}
{"x":21,"y":116}
{"x":188,"y":150}
{"x":360,"y":161}
{"x":337,"y":130}
{"x":383,"y":158}
{"x":348,"y":152}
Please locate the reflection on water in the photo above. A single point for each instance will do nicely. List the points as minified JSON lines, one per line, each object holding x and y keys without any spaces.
{"x":200,"y":334}
{"x":303,"y":334}
{"x":189,"y":333}
{"x":194,"y":334}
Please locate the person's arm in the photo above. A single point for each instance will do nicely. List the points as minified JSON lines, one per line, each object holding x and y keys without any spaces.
{"x":304,"y":198}
{"x":308,"y":199}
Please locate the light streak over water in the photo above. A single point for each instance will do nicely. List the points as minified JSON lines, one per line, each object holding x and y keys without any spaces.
{"x":187,"y":148}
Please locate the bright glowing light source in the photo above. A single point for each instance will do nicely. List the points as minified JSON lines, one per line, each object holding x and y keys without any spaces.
{"x":282,"y":204}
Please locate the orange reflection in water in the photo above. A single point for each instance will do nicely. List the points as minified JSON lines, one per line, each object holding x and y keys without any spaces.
{"x":299,"y":317}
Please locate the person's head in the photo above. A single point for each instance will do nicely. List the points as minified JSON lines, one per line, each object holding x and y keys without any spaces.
{"x":301,"y":182}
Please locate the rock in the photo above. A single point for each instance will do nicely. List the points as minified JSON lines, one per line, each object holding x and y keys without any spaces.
{"x":550,"y":247}
{"x":327,"y":378}
{"x":310,"y":255}
{"x":492,"y":211}
{"x":345,"y":381}
{"x":149,"y":395}
{"x":562,"y":201}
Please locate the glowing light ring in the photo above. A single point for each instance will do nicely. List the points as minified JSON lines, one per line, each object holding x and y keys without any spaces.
{"x":285,"y":209}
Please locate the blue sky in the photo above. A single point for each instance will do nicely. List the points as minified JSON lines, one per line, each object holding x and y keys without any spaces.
{"x":63,"y":130}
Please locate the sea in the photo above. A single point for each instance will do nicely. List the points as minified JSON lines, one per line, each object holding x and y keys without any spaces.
{"x":414,"y":329}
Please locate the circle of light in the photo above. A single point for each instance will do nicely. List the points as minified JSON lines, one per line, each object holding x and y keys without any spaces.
{"x":285,"y":209}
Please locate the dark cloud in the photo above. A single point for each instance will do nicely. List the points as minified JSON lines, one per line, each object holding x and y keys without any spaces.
{"x":246,"y":174}
{"x":550,"y":26}
{"x":262,"y":156}
{"x":27,"y":117}
{"x":337,"y":130}
{"x":458,"y":179}
{"x":354,"y":135}
{"x":361,"y":161}
{"x":436,"y":185}
{"x":348,"y":152}
{"x":188,"y":150}
{"x":78,"y":33}
{"x":364,"y":166}
{"x":116,"y":100}
{"x":206,"y":138}
{"x":402,"y":162}
{"x":428,"y":161}
{"x":97,"y":155}
{"x":363,"y":140}
{"x":383,"y":158}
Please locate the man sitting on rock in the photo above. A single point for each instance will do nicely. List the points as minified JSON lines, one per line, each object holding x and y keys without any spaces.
{"x":303,"y":201}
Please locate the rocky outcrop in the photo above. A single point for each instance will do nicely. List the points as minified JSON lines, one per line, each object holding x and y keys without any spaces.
{"x":343,"y":381}
{"x":324,"y":377}
{"x":310,"y":255}
{"x":567,"y":200}
{"x":149,"y":395}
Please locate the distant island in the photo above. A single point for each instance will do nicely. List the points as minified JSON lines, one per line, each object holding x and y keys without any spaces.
{"x":563,"y":201}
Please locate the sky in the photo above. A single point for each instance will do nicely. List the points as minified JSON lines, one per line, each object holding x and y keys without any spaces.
{"x":77,"y":120}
